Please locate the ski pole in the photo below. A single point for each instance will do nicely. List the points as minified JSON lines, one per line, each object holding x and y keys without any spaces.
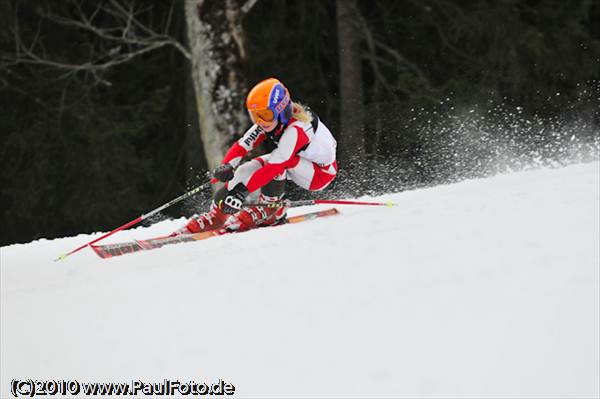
{"x":139,"y":219}
{"x":293,"y":204}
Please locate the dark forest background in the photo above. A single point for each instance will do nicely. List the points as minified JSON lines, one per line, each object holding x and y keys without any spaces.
{"x":443,"y":90}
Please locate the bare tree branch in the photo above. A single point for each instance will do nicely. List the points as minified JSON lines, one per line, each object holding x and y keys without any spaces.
{"x":402,"y":60}
{"x":398,"y":61}
{"x":373,"y":61}
{"x":128,"y":37}
{"x":452,"y":15}
{"x":248,"y":6}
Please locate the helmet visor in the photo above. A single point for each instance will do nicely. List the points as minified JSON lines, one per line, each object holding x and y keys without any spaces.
{"x":261,"y":115}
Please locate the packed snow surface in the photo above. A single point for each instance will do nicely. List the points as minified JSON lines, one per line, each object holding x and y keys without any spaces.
{"x":484,"y":288}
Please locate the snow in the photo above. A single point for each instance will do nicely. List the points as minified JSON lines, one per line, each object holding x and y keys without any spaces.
{"x":484,"y":288}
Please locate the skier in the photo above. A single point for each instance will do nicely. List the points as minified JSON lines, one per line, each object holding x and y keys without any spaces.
{"x":304,"y":153}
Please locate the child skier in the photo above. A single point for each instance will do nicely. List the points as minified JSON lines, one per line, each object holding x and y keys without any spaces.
{"x":304,"y":153}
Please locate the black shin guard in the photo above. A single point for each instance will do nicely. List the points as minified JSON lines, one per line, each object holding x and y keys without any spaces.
{"x":274,"y":188}
{"x":220,"y":194}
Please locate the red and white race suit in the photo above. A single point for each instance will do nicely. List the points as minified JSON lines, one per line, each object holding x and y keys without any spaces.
{"x":304,"y":155}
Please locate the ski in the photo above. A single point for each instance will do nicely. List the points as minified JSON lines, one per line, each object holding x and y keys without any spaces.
{"x":111,"y":250}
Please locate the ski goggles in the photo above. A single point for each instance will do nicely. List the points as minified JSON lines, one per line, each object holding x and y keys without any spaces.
{"x":262,"y":115}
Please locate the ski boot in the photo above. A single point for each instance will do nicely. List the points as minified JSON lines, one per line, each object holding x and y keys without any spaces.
{"x":258,"y":216}
{"x":211,"y":220}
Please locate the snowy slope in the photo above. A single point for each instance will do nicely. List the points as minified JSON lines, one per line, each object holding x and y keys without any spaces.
{"x":484,"y":288}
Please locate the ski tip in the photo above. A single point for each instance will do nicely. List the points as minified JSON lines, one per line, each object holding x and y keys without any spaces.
{"x":390,"y":204}
{"x":61,"y":257}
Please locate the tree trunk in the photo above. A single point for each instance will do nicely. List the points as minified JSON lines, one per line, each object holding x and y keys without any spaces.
{"x":218,"y":53}
{"x":352,"y":141}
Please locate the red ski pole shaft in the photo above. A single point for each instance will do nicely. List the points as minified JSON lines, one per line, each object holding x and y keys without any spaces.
{"x":343,"y":202}
{"x":137,"y":220}
{"x":125,"y":226}
{"x":315,"y":202}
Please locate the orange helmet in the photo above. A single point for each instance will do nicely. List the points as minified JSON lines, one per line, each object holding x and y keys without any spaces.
{"x":269,"y":100}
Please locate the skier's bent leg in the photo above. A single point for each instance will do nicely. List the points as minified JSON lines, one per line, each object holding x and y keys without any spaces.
{"x":255,"y":216}
{"x":312,"y":176}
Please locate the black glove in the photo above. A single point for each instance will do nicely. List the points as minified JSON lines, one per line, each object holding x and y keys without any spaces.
{"x":224,"y":172}
{"x":234,"y":199}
